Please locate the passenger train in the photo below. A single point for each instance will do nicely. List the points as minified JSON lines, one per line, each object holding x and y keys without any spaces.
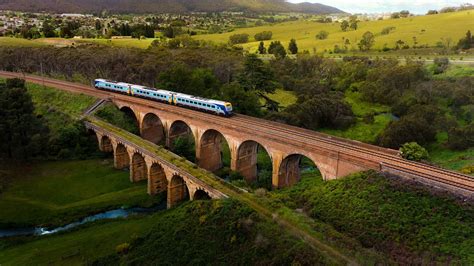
{"x":170,"y":97}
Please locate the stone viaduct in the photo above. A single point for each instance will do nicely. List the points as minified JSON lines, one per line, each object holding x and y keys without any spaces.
{"x":144,"y":165}
{"x":286,"y":146}
{"x":163,"y":127}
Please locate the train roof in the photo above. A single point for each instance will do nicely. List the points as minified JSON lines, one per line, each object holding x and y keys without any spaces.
{"x":200,"y":98}
{"x":114,"y":82}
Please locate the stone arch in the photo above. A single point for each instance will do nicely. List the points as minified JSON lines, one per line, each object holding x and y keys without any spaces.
{"x":212,"y":146}
{"x":129,"y":111}
{"x":138,"y":169}
{"x":157,"y":181}
{"x":247,"y":157}
{"x":289,"y":172}
{"x":152,"y":128}
{"x":181,"y":130}
{"x":106,"y":144}
{"x":201,"y":195}
{"x":121,"y":157}
{"x":177,"y":191}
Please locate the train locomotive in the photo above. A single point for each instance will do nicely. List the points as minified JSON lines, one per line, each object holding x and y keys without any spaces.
{"x":184,"y":100}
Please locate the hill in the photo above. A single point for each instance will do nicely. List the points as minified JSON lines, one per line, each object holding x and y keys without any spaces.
{"x":162,"y":6}
{"x":425,"y":30}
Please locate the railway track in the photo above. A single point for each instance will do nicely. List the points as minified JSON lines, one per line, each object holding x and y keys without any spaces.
{"x":282,"y":132}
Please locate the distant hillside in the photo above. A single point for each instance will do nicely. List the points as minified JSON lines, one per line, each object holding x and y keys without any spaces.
{"x":162,"y":6}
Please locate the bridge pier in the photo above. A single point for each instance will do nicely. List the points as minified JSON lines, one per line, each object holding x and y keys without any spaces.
{"x":209,"y":150}
{"x":121,"y":157}
{"x":138,"y":169}
{"x":244,"y":160}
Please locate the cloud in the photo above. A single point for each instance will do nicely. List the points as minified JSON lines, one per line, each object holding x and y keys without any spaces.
{"x":367,"y":6}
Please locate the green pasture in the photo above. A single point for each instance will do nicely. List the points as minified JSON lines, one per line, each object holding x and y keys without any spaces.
{"x":427,"y":29}
{"x":54,"y":193}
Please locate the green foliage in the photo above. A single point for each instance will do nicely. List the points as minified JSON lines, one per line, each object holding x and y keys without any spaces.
{"x":461,"y":138}
{"x":263,"y":36}
{"x":466,"y":42}
{"x":292,"y":47}
{"x":367,"y":41}
{"x":256,"y":76}
{"x":184,"y":146}
{"x":344,"y":25}
{"x":407,"y":223}
{"x":277,"y":49}
{"x":243,"y":102}
{"x":326,"y":110}
{"x":195,"y":81}
{"x":124,"y":120}
{"x":322,"y":35}
{"x":413,"y":151}
{"x":243,"y":238}
{"x":440,"y":65}
{"x":22,"y":134}
{"x":55,"y":193}
{"x":412,"y":128}
{"x":261,"y":48}
{"x":387,"y":30}
{"x":239,"y":38}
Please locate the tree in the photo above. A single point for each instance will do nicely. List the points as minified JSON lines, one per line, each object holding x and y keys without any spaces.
{"x":98,"y":25}
{"x":367,"y":41}
{"x":263,"y":36}
{"x":277,"y":49}
{"x":322,"y":35}
{"x":48,"y":30}
{"x":344,"y":25}
{"x":169,"y":32}
{"x":354,"y":25}
{"x":239,"y":38}
{"x":261,"y":48}
{"x":413,"y":151}
{"x":292,"y":47}
{"x":408,"y":129}
{"x":22,"y":134}
{"x":256,"y":76}
{"x":432,"y":12}
{"x":466,"y":42}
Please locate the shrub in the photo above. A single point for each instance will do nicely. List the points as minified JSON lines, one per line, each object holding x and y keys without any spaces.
{"x":263,"y":36}
{"x":322,"y":35}
{"x":260,"y":192}
{"x":413,"y":151}
{"x":239,"y":38}
{"x":468,"y":170}
{"x":122,"y":248}
{"x":387,"y":30}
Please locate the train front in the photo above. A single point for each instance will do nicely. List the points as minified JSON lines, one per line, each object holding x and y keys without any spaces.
{"x":228,"y":109}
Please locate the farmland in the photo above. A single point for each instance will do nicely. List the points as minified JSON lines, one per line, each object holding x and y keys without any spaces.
{"x":428,"y":30}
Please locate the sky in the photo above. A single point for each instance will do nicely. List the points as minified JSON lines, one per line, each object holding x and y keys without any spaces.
{"x":379,"y":6}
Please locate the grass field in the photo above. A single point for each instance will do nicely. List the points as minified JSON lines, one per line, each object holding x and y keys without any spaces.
{"x":58,"y":192}
{"x":400,"y":219}
{"x":427,"y":30}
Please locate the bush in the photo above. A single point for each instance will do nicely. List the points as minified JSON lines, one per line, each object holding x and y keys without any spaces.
{"x":468,"y":170}
{"x":387,"y":30}
{"x":260,"y":192}
{"x":413,"y":151}
{"x":122,"y":248}
{"x":322,"y":35}
{"x":239,"y":38}
{"x":263,"y":36}
{"x":440,"y":65}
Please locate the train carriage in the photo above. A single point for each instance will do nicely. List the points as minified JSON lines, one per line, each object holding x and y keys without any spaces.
{"x":179,"y":99}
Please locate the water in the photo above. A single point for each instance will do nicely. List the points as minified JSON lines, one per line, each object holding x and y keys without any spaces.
{"x":113,"y":214}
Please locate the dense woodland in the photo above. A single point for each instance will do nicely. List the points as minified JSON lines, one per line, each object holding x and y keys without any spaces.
{"x":422,"y":103}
